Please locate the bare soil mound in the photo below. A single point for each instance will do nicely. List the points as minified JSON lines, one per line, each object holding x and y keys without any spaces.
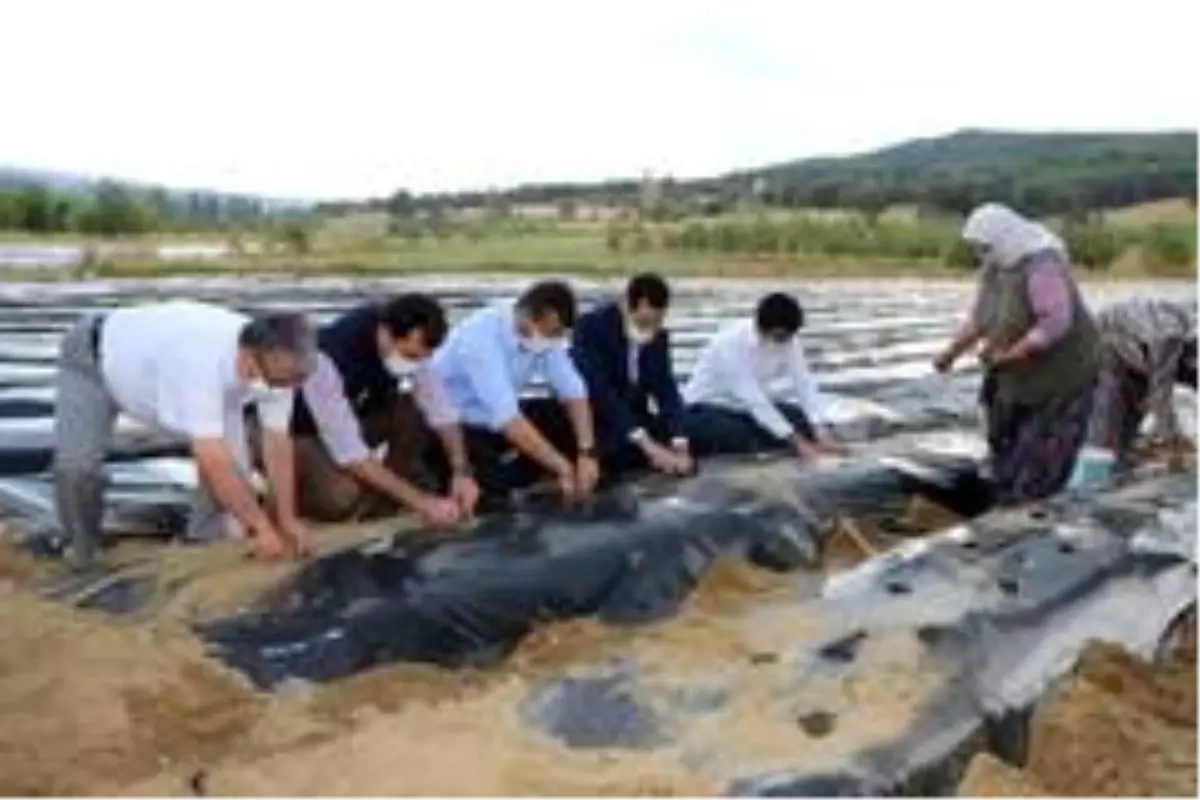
{"x":1118,"y":727}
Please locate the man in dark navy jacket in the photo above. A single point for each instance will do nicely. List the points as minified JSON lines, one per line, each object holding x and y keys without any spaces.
{"x":373,"y":390}
{"x":623,"y":351}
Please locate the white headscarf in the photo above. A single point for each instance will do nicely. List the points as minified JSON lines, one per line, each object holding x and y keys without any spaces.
{"x":1009,"y":236}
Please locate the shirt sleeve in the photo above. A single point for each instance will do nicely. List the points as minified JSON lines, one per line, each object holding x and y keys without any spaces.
{"x":434,"y":400}
{"x":337,"y":424}
{"x":275,"y":410}
{"x":563,"y":376}
{"x":812,"y":401}
{"x":736,"y":367}
{"x":1050,"y":296}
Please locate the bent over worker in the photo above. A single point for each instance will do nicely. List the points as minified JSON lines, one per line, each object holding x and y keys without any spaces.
{"x":373,"y":389}
{"x":1147,"y":346}
{"x":752,"y":391}
{"x":623,"y":352}
{"x":485,"y":364}
{"x":190,"y":370}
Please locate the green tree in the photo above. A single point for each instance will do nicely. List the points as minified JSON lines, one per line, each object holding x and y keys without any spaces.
{"x":114,"y":210}
{"x":10,"y":216}
{"x":1091,"y":245}
{"x":35,"y":209}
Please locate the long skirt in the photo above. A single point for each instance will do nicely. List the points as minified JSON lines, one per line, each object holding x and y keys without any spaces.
{"x":1033,"y":447}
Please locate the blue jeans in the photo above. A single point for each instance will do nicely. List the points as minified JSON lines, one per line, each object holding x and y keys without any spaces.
{"x":712,"y":430}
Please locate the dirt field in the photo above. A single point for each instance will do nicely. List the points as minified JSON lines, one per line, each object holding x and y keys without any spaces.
{"x":93,"y":703}
{"x":1119,"y":727}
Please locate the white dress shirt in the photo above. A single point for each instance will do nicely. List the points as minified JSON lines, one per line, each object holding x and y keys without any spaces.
{"x":740,"y":371}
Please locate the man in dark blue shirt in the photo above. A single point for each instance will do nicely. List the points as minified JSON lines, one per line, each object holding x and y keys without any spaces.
{"x":371,"y":380}
{"x":623,"y":351}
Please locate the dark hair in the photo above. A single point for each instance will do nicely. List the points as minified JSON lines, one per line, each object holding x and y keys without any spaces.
{"x":550,"y":297}
{"x":647,"y":287}
{"x":282,"y":332}
{"x":405,"y":312}
{"x":779,"y":312}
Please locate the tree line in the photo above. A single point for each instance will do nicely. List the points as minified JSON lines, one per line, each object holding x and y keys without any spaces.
{"x":1092,"y":243}
{"x":1041,"y":174}
{"x":112,"y":208}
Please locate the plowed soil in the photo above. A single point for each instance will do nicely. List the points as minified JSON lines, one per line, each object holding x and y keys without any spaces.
{"x":1118,"y":727}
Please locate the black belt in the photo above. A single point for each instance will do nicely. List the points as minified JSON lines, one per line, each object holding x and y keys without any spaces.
{"x":96,"y":336}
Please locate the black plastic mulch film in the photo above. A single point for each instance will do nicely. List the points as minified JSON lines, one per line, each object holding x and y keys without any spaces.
{"x":630,"y":556}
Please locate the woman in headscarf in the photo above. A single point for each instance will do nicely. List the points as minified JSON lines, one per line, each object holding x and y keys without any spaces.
{"x":1039,"y":349}
{"x":1147,"y":346}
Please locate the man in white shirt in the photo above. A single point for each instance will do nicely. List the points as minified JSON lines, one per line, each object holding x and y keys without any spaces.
{"x":189,"y":370}
{"x":752,"y":391}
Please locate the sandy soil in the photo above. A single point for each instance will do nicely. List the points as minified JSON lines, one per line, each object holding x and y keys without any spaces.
{"x":1118,"y":727}
{"x":93,"y":703}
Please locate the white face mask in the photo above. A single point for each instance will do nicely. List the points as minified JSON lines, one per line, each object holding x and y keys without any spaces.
{"x":401,"y":367}
{"x":775,"y":348}
{"x":539,"y":344}
{"x":258,"y":388}
{"x":637,"y":335}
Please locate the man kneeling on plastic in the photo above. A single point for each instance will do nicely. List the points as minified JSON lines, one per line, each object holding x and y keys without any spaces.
{"x":486,"y":363}
{"x":752,"y":391}
{"x":373,"y":389}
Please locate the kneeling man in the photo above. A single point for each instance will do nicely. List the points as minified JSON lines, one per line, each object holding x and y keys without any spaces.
{"x":486,"y":362}
{"x":623,"y":351}
{"x":190,"y":370}
{"x":752,"y":391}
{"x":373,"y":389}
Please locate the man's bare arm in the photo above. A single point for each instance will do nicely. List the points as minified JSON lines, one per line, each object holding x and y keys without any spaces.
{"x":216,"y":464}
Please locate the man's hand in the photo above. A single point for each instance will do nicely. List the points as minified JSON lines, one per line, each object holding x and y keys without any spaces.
{"x":464,"y":491}
{"x":438,"y":512}
{"x":587,"y":475}
{"x":687,"y":464}
{"x":296,"y":536}
{"x":666,"y":460}
{"x":828,"y":442}
{"x":269,"y":542}
{"x":568,"y":486}
{"x":806,"y":450}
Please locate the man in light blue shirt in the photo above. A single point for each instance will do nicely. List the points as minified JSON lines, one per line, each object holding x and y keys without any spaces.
{"x":485,"y":363}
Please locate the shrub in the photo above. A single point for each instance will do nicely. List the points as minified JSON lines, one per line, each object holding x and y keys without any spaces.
{"x":1170,"y":246}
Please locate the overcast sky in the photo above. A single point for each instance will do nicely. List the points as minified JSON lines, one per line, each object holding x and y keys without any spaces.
{"x":346,"y":98}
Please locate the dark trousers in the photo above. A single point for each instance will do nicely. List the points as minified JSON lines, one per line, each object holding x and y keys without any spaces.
{"x":713,"y":430}
{"x":499,"y":467}
{"x":618,"y":454}
{"x":1186,"y":372}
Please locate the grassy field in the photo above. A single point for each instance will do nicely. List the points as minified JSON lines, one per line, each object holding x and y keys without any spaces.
{"x":364,"y":245}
